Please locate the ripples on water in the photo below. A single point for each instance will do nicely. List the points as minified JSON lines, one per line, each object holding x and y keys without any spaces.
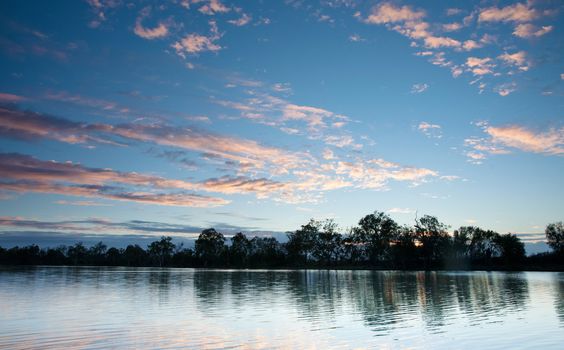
{"x":66,"y":307}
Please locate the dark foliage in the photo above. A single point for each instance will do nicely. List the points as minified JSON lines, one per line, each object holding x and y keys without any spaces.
{"x":377,"y":242}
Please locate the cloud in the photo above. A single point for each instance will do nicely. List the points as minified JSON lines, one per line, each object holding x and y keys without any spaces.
{"x":305,"y":177}
{"x":549,"y":142}
{"x":282,"y":87}
{"x":471,"y":45}
{"x":83,"y":203}
{"x":528,"y":30}
{"x":63,"y":96}
{"x":10,"y":98}
{"x":413,"y":23}
{"x":356,"y":38}
{"x":389,"y":13}
{"x":266,"y":109}
{"x":376,"y":175}
{"x":408,"y":22}
{"x":241,"y":21}
{"x":22,"y":174}
{"x":434,"y":42}
{"x":400,"y":211}
{"x":430,"y":130}
{"x":518,"y":59}
{"x":229,"y":185}
{"x":159,"y":31}
{"x":499,"y":139}
{"x":480,"y":66}
{"x":452,"y":27}
{"x":214,"y":6}
{"x":342,"y":141}
{"x":246,"y":153}
{"x":196,"y":43}
{"x":453,"y":11}
{"x":30,"y":126}
{"x":505,"y":89}
{"x":419,"y":88}
{"x":513,"y":13}
{"x":328,"y":154}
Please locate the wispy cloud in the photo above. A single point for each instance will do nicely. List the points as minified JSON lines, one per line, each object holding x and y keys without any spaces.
{"x":528,"y":30}
{"x":22,"y":173}
{"x":549,"y":142}
{"x":517,"y":59}
{"x":430,"y":130}
{"x":159,"y":31}
{"x":10,"y":98}
{"x":241,"y":21}
{"x":518,"y":12}
{"x":501,"y":139}
{"x":400,"y":211}
{"x":196,"y":43}
{"x":419,"y":88}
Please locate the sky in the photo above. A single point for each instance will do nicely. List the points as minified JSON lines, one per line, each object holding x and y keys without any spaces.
{"x":140,"y":119}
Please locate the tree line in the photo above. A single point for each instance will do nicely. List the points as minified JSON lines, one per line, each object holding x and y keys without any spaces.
{"x":377,"y":241}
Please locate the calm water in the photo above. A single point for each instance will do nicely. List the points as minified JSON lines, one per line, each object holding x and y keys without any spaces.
{"x":57,"y":307}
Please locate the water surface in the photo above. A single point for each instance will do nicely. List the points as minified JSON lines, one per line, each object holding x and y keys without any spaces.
{"x":69,"y":307}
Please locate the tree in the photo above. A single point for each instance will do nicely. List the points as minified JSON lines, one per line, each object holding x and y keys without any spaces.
{"x":433,"y":237}
{"x":376,"y":232}
{"x":161,"y":250}
{"x":77,"y":254}
{"x":476,"y":243}
{"x":209,"y":246}
{"x":240,"y":249}
{"x":404,"y":251}
{"x":327,"y":243}
{"x":97,"y":253}
{"x":300,"y":242}
{"x":135,"y":255}
{"x":555,"y":236}
{"x":266,"y":252}
{"x":511,"y":248}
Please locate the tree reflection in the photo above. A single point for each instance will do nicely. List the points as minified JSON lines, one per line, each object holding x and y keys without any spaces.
{"x":383,"y":300}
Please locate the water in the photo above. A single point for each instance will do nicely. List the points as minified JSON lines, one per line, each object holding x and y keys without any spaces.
{"x":65,"y":307}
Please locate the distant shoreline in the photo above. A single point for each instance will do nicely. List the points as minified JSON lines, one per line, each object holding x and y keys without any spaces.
{"x":556,"y":268}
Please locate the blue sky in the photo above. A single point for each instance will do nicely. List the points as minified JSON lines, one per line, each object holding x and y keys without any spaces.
{"x":158,"y":118}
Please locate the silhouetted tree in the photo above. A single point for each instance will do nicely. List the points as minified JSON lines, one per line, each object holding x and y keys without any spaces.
{"x":511,"y":248}
{"x":266,"y":252}
{"x":376,"y":233}
{"x":210,"y":246}
{"x":434,"y":239}
{"x":404,"y":250}
{"x":327,"y":244}
{"x":300,"y":243}
{"x":477,"y":244}
{"x":77,"y":254}
{"x":555,"y":236}
{"x":184,"y":257}
{"x":55,"y":256}
{"x":239,"y":250}
{"x":161,"y":250}
{"x":113,"y":257}
{"x":134,"y":255}
{"x":97,"y":253}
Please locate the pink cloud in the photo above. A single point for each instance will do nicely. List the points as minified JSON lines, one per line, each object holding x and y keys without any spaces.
{"x":389,"y":13}
{"x":549,"y":142}
{"x":10,"y":98}
{"x":513,"y":13}
{"x":527,"y":30}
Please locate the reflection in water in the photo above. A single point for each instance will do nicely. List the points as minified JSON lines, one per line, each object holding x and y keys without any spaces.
{"x":52,"y":307}
{"x":559,"y":295}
